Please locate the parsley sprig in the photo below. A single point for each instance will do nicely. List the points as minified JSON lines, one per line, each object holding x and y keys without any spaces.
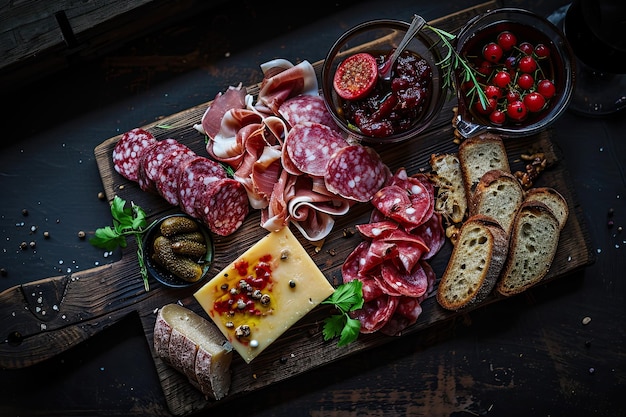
{"x":453,"y":62}
{"x":127,"y":221}
{"x":346,"y":298}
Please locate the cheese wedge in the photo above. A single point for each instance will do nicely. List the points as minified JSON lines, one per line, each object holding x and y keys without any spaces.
{"x":264,"y":292}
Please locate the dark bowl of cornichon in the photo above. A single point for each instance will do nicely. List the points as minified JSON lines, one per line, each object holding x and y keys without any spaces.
{"x":178,"y":251}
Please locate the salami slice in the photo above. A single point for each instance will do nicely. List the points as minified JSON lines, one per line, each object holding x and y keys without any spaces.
{"x":377,"y":230}
{"x":356,"y":172}
{"x":195,"y":176}
{"x":431,"y":231}
{"x":413,"y":284}
{"x":375,"y":313}
{"x":307,"y":108}
{"x":150,"y":161}
{"x":224,"y":206}
{"x":128,"y":150}
{"x":406,"y":314}
{"x":310,"y":146}
{"x":169,"y":171}
{"x":352,"y":265}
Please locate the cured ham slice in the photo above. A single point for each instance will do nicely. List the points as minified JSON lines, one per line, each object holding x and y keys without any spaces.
{"x":233,"y":98}
{"x":281,"y":83}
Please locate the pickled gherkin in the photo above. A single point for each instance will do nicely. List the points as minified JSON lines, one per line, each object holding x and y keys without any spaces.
{"x":178,"y":224}
{"x":179,"y":265}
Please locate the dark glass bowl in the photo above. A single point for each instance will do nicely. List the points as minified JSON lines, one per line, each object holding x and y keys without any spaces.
{"x":526,"y":25}
{"x":161,"y":274}
{"x":377,"y":36}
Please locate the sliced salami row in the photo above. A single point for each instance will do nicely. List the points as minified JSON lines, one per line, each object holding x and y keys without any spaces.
{"x":404,"y":232}
{"x":197,"y":184}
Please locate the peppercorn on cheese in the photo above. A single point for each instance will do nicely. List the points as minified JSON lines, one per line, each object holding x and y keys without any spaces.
{"x":264,"y":292}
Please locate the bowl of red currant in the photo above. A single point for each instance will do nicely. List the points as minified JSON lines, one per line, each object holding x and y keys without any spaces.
{"x":370,"y":106}
{"x":515,"y":75}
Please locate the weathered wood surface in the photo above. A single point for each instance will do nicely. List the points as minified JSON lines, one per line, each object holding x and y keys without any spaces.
{"x":46,"y":317}
{"x":41,"y":37}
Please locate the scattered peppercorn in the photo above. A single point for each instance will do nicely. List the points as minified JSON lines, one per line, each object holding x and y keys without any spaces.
{"x":32,"y":244}
{"x":611,"y":212}
{"x":24,"y":212}
{"x":292,"y":284}
{"x":101,"y":196}
{"x":46,"y":234}
{"x":81,"y":234}
{"x":3,"y":272}
{"x":23,"y":245}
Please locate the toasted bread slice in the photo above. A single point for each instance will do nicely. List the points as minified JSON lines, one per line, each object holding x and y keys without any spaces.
{"x":195,"y":347}
{"x":551,"y":198}
{"x":533,"y":243}
{"x":498,"y":194}
{"x":475,"y":264}
{"x":478,"y":155}
{"x":451,"y":201}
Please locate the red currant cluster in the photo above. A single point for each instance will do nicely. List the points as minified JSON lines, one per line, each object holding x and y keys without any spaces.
{"x":512,"y":76}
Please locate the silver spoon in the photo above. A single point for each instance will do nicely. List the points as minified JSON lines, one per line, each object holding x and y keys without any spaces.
{"x":416,"y":25}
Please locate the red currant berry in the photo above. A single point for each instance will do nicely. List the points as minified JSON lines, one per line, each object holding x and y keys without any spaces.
{"x":542,"y":51}
{"x":546,"y":88}
{"x":493,"y":91}
{"x":526,"y":47}
{"x":484,"y":68}
{"x":507,"y":40}
{"x":534,"y":102}
{"x":491,"y":104}
{"x":502,"y":79}
{"x":492,"y":52}
{"x":497,"y":117}
{"x":512,"y":95}
{"x":516,"y":111}
{"x":525,"y":81}
{"x":527,"y":64}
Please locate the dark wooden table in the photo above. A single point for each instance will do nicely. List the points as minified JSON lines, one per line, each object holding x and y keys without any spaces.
{"x":530,"y":355}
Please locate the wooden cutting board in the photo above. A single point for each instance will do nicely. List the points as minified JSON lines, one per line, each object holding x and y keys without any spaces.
{"x":46,"y":317}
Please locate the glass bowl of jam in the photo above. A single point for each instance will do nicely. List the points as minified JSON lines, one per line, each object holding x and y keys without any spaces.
{"x":373,"y":109}
{"x":524,"y":67}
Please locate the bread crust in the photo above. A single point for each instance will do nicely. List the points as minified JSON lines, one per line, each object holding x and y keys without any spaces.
{"x":195,"y":347}
{"x":525,"y":268}
{"x":476,"y":266}
{"x":478,"y":155}
{"x":498,"y":194}
{"x":553,"y":199}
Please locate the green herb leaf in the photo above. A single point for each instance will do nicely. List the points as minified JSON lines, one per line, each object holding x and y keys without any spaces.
{"x":347,"y":297}
{"x":126,"y":221}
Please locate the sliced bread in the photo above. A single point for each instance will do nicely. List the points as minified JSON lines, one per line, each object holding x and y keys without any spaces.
{"x":532,"y":246}
{"x":195,"y":347}
{"x":551,"y":198}
{"x":451,"y":201}
{"x":478,"y":155}
{"x":498,"y":194}
{"x":475,"y":264}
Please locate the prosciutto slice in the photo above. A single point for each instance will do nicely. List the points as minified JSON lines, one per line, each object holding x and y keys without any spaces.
{"x":281,"y":83}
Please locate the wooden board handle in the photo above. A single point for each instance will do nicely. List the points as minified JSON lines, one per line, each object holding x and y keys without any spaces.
{"x":43,"y":318}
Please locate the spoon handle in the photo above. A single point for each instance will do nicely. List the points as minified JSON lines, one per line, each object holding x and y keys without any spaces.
{"x":417,"y":24}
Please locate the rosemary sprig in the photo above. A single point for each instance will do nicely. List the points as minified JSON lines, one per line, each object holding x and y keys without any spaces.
{"x":453,"y":62}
